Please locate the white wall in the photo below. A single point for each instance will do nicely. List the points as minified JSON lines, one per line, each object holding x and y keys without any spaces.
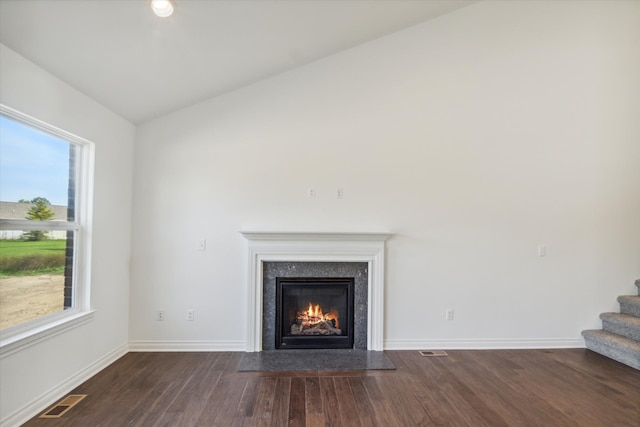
{"x":474,"y":137}
{"x":34,"y":376}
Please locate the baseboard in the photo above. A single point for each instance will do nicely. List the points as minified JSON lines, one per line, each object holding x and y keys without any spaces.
{"x":157,"y":346}
{"x":40,"y":403}
{"x":138,"y":346}
{"x":483,"y":344}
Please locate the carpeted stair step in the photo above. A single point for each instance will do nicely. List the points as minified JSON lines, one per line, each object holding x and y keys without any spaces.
{"x":621,"y":324}
{"x":630,"y":304}
{"x":616,"y":347}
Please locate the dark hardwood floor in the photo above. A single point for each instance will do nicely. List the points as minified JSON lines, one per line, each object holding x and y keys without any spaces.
{"x":569,"y":387}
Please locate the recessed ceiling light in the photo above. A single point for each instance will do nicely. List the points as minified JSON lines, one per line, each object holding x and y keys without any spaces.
{"x":162,"y":8}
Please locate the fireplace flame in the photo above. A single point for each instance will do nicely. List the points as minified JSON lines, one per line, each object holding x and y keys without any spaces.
{"x":314,"y":315}
{"x":314,"y":312}
{"x":313,"y":321}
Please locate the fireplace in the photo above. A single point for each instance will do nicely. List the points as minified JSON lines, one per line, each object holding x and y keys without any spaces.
{"x":314,"y":312}
{"x":313,"y":275}
{"x":270,"y":247}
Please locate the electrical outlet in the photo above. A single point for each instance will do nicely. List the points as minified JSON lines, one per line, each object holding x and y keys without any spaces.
{"x":160,"y":316}
{"x":448,"y":315}
{"x":190,"y":315}
{"x":339,"y":193}
{"x":311,"y":193}
{"x":202,"y":245}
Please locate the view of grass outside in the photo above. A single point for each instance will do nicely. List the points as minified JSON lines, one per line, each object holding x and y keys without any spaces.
{"x":31,"y":279}
{"x":30,"y":258}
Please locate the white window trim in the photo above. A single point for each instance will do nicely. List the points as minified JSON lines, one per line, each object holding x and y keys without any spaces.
{"x":30,"y":333}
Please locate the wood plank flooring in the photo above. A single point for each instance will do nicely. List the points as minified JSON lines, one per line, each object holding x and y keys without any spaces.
{"x":568,"y":387}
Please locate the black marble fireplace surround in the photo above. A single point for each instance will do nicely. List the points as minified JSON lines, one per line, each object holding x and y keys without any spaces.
{"x":274,"y":270}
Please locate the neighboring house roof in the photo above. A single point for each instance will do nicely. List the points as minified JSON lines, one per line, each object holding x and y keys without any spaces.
{"x":15,"y":210}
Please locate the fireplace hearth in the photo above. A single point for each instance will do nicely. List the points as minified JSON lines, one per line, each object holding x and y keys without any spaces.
{"x":314,"y":312}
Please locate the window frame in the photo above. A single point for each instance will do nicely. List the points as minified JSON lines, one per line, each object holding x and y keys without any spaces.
{"x":29,"y":333}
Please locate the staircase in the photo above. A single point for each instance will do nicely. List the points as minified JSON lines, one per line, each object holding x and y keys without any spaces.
{"x":619,"y":338}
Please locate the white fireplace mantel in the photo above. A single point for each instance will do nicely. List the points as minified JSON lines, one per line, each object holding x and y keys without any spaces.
{"x":266,"y":246}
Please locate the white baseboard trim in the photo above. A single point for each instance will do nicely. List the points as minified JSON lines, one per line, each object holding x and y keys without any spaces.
{"x":48,"y":398}
{"x":495,"y":344}
{"x":139,"y":346}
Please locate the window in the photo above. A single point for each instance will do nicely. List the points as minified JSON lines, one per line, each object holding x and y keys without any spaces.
{"x":45,"y":183}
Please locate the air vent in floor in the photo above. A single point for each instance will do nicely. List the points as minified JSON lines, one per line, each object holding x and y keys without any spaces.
{"x":61,"y":408}
{"x":432,"y":353}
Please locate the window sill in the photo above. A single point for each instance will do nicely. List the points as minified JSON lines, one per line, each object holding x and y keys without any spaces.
{"x":20,"y":341}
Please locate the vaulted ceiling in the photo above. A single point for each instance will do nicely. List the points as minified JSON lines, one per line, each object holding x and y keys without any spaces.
{"x":141,"y":66}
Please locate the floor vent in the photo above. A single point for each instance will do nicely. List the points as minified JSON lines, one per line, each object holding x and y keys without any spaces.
{"x":62,"y":407}
{"x":432,"y":353}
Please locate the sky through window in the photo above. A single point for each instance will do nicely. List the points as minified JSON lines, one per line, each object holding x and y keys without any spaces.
{"x":32,"y":164}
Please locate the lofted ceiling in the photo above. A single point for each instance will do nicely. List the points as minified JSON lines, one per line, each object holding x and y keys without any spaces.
{"x":141,"y":66}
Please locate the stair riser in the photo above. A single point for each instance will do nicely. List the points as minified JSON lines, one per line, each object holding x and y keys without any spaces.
{"x":622,"y":329}
{"x":631,"y":309}
{"x":629,"y":358}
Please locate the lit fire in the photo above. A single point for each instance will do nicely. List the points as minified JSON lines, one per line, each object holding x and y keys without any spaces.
{"x":314,"y":322}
